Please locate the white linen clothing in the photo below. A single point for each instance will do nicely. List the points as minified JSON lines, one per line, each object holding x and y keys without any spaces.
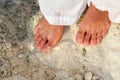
{"x":67,"y":12}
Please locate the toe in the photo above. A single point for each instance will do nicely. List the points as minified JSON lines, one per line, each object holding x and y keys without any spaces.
{"x":47,"y":47}
{"x":36,"y":29}
{"x":42,"y":44}
{"x":38,"y":41}
{"x":104,"y":32}
{"x":93,"y":39}
{"x":80,"y":37}
{"x":99,"y":37}
{"x":50,"y":43}
{"x":36,"y":36}
{"x":87,"y":39}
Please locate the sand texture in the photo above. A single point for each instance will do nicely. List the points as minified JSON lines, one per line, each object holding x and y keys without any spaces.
{"x":19,"y":60}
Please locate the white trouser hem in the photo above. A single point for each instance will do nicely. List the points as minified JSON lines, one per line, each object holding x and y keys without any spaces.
{"x":65,"y":13}
{"x":58,"y":20}
{"x":96,"y":5}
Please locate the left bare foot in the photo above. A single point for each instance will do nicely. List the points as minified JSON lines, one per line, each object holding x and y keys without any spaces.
{"x":47,"y":35}
{"x":93,"y":27}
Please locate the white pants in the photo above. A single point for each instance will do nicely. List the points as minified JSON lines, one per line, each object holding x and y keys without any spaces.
{"x":67,"y":12}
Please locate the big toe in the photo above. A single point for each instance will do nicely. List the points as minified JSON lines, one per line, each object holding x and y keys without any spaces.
{"x":80,"y":37}
{"x":48,"y":47}
{"x":41,"y":44}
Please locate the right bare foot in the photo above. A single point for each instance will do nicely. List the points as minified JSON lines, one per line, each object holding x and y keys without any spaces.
{"x":46,"y":35}
{"x":93,"y":27}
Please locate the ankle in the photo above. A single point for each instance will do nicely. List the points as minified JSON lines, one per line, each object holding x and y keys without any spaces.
{"x":97,"y":11}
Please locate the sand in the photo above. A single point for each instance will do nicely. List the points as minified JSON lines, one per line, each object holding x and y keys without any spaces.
{"x":102,"y":59}
{"x":19,"y":60}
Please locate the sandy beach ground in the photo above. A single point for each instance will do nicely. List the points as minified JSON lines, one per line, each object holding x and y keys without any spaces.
{"x":19,"y":60}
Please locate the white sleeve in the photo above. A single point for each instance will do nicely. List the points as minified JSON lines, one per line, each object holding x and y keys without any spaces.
{"x":62,"y":12}
{"x":112,"y":6}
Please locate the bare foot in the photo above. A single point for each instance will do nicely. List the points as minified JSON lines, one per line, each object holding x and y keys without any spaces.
{"x":46,"y":35}
{"x":93,"y":27}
